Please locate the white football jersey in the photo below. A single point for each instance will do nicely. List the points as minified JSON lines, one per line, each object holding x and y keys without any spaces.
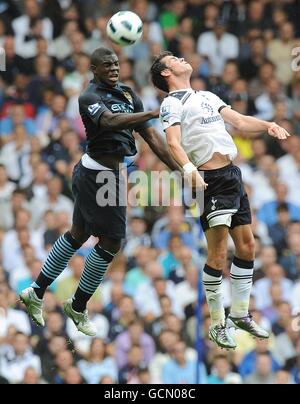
{"x":203,"y":130}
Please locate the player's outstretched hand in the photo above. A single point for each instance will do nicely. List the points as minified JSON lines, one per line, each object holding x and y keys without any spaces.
{"x":278,"y":132}
{"x":196,"y":182}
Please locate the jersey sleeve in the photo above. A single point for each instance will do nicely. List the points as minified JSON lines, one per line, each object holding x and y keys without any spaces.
{"x":139,"y":107}
{"x":218,"y":102}
{"x":92,"y":106}
{"x":171,"y":112}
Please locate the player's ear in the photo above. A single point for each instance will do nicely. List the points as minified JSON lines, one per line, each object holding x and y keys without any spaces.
{"x":93,"y":68}
{"x":166,"y":73}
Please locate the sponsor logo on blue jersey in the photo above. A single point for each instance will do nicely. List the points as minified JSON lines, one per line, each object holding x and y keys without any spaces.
{"x":94,"y":108}
{"x":122,"y":108}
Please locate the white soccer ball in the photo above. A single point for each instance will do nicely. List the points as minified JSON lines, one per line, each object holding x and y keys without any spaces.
{"x":125,"y":28}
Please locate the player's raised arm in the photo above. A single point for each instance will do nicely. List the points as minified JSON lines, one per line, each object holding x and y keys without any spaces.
{"x":171,"y":118}
{"x":97,"y":111}
{"x":173,"y":135}
{"x":253,"y":125}
{"x":112,"y":121}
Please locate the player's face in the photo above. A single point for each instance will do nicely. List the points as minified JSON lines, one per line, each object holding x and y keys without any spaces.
{"x":177,"y":65}
{"x":108,"y":70}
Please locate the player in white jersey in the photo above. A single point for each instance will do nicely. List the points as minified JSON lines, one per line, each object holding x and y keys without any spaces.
{"x":194,"y":122}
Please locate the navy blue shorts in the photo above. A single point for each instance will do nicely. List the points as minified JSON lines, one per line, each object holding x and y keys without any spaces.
{"x":90,"y":188}
{"x":225,"y":199}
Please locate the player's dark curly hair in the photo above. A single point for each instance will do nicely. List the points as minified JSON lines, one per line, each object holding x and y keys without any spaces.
{"x":157,"y":67}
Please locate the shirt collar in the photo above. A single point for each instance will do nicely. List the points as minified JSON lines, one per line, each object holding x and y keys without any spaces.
{"x":182,"y":89}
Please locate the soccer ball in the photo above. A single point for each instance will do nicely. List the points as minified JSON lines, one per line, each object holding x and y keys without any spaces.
{"x":125,"y":28}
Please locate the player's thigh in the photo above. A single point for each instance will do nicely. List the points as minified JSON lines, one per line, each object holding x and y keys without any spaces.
{"x":222,"y":197}
{"x":244,"y":241}
{"x":78,"y":229}
{"x":217,"y":244}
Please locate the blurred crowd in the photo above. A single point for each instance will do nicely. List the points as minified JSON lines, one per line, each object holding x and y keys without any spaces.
{"x":145,"y":312}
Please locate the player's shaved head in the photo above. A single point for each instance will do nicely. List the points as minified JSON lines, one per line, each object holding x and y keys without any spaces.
{"x":99,"y":54}
{"x":105,"y":66}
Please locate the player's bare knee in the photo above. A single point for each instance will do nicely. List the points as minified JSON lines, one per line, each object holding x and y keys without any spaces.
{"x":217,"y":258}
{"x":246,"y":250}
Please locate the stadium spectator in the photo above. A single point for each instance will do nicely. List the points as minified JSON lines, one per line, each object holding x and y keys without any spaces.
{"x":296,"y":293}
{"x":63,"y":362}
{"x":278,"y":231}
{"x":218,"y":46}
{"x":47,"y":352}
{"x":15,"y":156}
{"x":130,"y":369}
{"x":15,"y":64}
{"x":43,"y":79}
{"x":11,"y":317}
{"x":54,"y":201}
{"x":283,"y":316}
{"x":279,"y":51}
{"x":143,"y":377}
{"x":283,"y":377}
{"x":263,"y":373}
{"x":248,"y":366}
{"x":16,"y":358}
{"x":285,"y":346}
{"x":134,"y":336}
{"x":73,"y":376}
{"x":97,"y":364}
{"x":31,"y":377}
{"x":268,"y":212}
{"x":137,"y":235}
{"x":122,"y":316}
{"x":292,"y":366}
{"x":221,"y":372}
{"x":29,"y":26}
{"x":180,"y":370}
{"x":274,"y":275}
{"x":61,"y":46}
{"x":137,"y":275}
{"x":16,"y":117}
{"x":6,"y":190}
{"x":290,"y":258}
{"x":25,"y":281}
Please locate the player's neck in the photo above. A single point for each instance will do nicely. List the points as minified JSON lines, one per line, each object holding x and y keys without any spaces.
{"x":179,"y":85}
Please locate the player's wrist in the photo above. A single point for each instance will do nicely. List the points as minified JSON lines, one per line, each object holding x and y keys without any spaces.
{"x":272,"y":125}
{"x":189,"y":168}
